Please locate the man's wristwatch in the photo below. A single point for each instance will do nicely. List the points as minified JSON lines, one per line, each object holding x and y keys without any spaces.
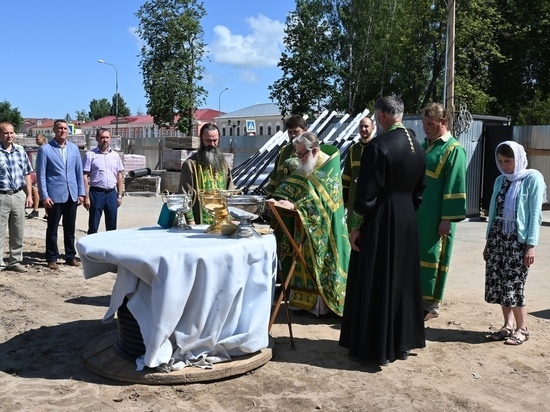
{"x":119,"y":196}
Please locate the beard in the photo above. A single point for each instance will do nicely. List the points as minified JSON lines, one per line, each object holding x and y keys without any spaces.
{"x":211,"y":157}
{"x":308,"y":166}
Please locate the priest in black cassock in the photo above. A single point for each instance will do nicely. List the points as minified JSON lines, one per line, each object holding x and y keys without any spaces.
{"x":383,"y":316}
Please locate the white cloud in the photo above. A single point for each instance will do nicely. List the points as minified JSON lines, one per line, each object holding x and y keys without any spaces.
{"x":132,"y":30}
{"x":207,"y":78}
{"x":261,"y":48}
{"x":248,"y":76}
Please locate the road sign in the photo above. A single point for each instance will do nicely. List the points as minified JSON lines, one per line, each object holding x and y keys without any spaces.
{"x":251,"y":126}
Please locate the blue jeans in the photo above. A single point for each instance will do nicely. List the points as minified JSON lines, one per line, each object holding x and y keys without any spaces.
{"x":102,"y":201}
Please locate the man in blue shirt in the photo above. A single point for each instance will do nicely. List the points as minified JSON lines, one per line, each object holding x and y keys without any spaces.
{"x":15,"y":195}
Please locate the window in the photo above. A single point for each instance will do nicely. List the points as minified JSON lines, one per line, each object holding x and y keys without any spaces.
{"x":238,"y":131}
{"x":230,"y":131}
{"x":224,"y":132}
{"x":261,"y":130}
{"x":277,"y":128}
{"x":269,"y":129}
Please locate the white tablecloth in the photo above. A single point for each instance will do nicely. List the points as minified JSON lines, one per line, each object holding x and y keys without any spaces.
{"x":190,"y":292}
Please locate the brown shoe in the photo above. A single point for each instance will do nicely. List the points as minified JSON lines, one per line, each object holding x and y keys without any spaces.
{"x":52,"y":265}
{"x":72,"y":262}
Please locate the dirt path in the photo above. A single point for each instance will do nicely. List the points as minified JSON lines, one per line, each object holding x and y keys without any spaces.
{"x":48,"y":317}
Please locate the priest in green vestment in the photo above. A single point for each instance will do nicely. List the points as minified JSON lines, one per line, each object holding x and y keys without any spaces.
{"x":443,"y":204}
{"x":352,"y":166}
{"x":314,"y":190}
{"x":206,"y":169}
{"x":295,"y":125}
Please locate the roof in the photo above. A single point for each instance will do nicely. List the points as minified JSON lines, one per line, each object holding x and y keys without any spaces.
{"x":206,"y":114}
{"x":203,"y":115}
{"x":104,"y":121}
{"x":45,"y":123}
{"x":257,"y":110}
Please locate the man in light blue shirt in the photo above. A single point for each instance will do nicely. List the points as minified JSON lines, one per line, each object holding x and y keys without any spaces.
{"x":103,"y":181}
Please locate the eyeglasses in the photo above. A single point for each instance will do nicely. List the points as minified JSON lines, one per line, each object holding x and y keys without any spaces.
{"x":302,"y":155}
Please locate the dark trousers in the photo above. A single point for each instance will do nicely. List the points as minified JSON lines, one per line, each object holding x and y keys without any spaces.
{"x":101,"y":201}
{"x":67,"y":211}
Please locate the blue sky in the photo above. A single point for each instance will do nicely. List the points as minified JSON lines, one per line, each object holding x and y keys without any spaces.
{"x":50,"y":51}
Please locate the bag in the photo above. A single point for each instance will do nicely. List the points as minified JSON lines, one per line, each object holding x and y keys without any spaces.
{"x":167,"y":217}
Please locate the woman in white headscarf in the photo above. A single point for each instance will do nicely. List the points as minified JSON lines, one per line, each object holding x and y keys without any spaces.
{"x":512,"y":234}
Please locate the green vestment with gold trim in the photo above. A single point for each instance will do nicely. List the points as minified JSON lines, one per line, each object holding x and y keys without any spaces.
{"x":443,"y":199}
{"x":317,"y":198}
{"x":352,"y":166}
{"x":277,"y":174}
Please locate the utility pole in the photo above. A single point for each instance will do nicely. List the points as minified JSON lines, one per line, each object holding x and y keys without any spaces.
{"x":220,"y":108}
{"x":116,"y":93}
{"x":449,"y":95}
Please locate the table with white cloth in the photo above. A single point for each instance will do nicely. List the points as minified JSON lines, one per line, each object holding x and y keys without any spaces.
{"x":191,"y":293}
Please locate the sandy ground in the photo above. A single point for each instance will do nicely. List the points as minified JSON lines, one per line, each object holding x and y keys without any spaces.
{"x":47,"y":318}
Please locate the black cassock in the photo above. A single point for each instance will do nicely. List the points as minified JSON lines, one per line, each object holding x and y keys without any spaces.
{"x":383,"y":312}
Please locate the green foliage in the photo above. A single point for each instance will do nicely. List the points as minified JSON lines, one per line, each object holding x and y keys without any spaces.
{"x":524,"y":71}
{"x":82,"y":116}
{"x":477,"y":21}
{"x":309,"y":69}
{"x":123,"y":109}
{"x":344,"y":54}
{"x":9,"y":114}
{"x":171,"y":60}
{"x":535,"y":112}
{"x":99,"y":108}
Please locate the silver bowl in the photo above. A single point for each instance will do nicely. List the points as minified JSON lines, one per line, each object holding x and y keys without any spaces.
{"x":245,"y":208}
{"x":181,"y":204}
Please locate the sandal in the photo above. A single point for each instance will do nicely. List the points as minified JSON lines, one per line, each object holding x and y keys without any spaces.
{"x":503,"y":334}
{"x":517,"y":338}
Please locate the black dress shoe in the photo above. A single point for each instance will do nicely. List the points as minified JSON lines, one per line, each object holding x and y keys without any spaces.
{"x":369,"y":362}
{"x":403,"y":354}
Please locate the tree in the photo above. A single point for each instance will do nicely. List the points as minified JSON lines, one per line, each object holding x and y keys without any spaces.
{"x":524,"y":70}
{"x":82,"y":116}
{"x":368,"y":50}
{"x":477,"y":23}
{"x":99,"y":108}
{"x":171,"y":60}
{"x":9,"y":114}
{"x":309,"y":68}
{"x":344,"y":54}
{"x":535,"y":112}
{"x":123,"y":109}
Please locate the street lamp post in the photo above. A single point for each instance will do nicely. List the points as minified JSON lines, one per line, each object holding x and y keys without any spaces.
{"x":116,"y":93}
{"x":220,"y":107}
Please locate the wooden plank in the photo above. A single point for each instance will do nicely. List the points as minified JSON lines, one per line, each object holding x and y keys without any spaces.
{"x":102,"y":359}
